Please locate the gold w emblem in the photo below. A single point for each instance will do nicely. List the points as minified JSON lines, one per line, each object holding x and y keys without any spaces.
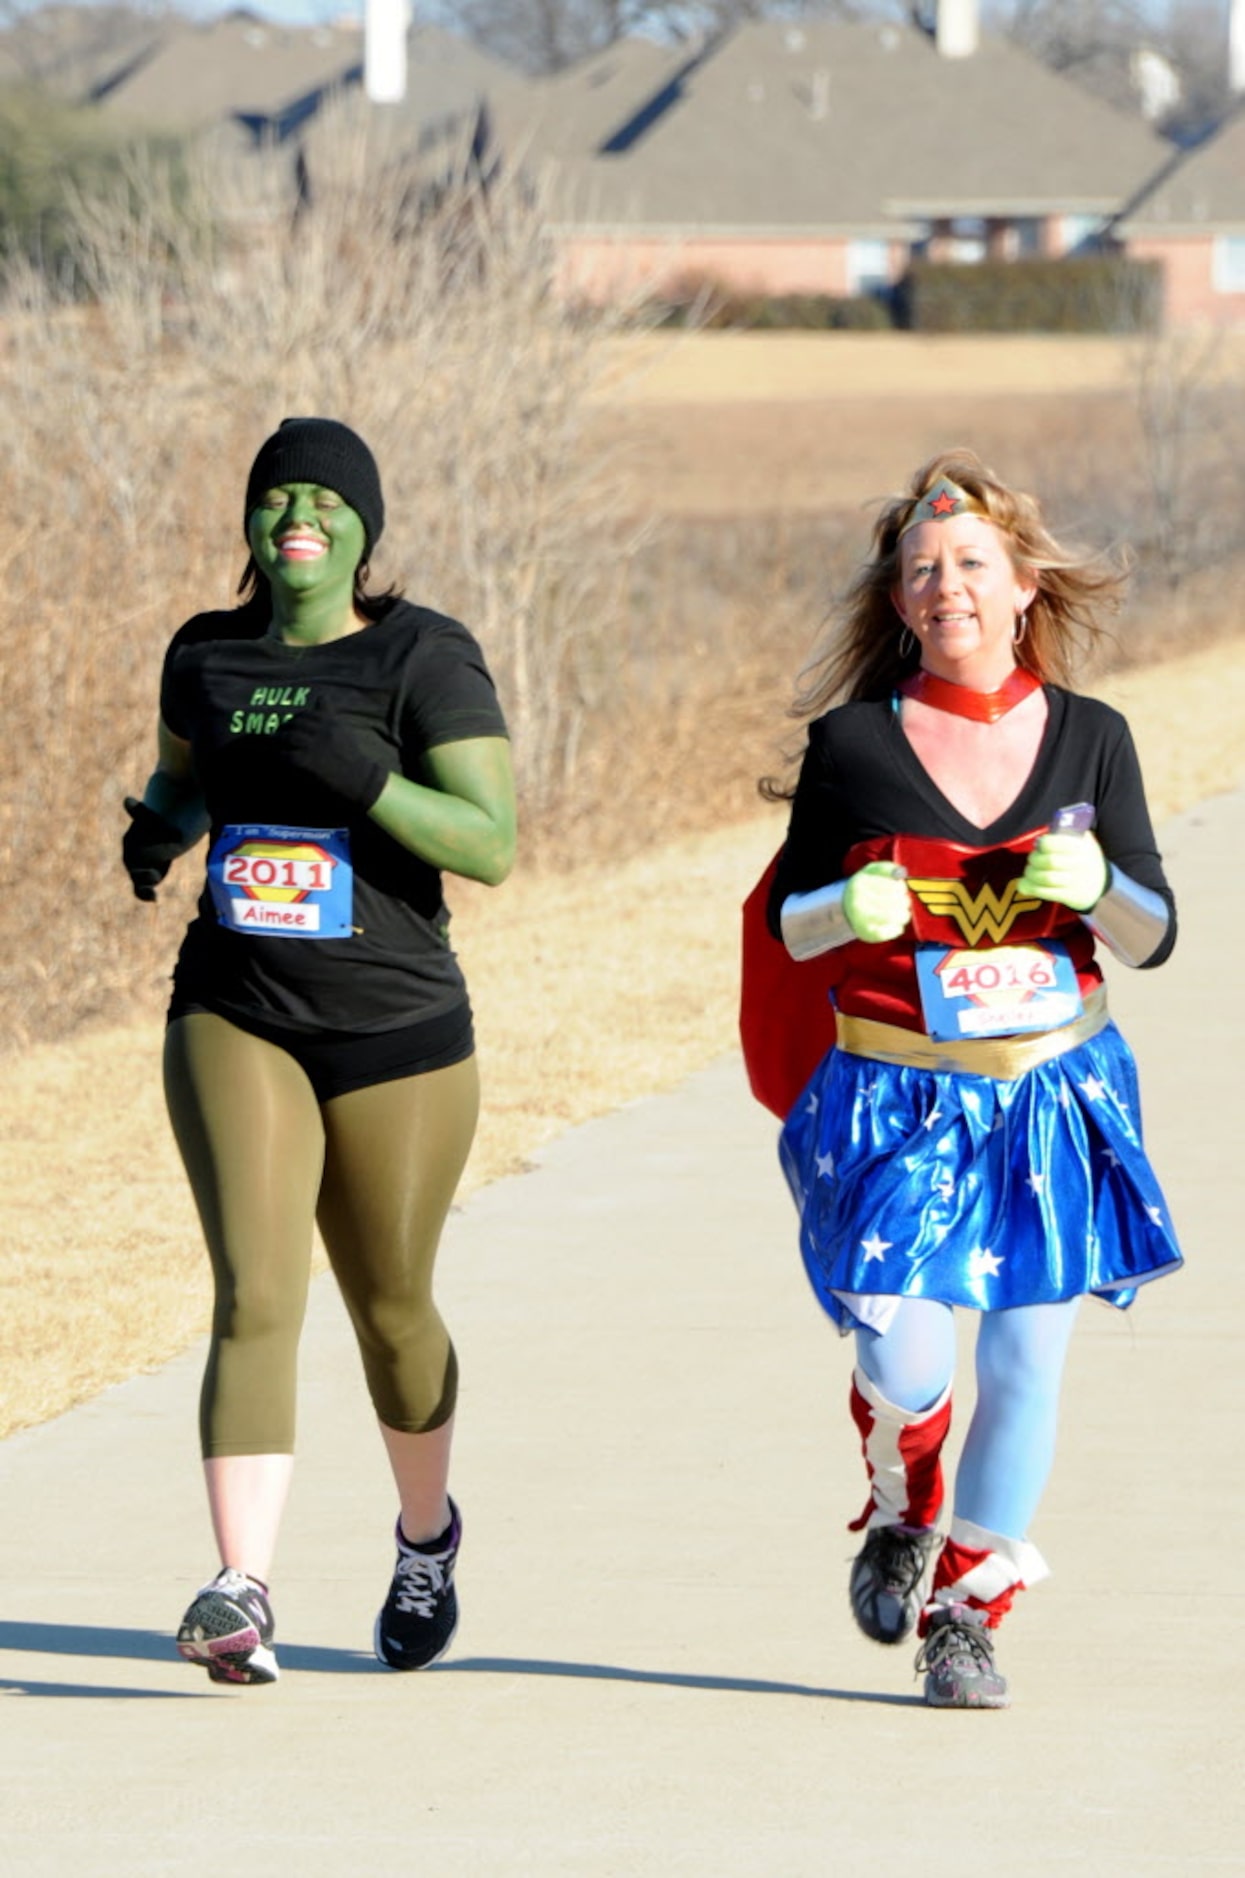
{"x":986,"y":914}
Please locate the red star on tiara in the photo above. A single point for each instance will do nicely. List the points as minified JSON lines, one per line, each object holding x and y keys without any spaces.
{"x":944,"y":499}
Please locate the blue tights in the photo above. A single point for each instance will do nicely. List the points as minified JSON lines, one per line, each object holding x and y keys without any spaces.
{"x":1010,"y":1442}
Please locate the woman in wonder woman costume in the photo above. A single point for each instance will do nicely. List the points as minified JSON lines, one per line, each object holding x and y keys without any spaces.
{"x":964,"y":833}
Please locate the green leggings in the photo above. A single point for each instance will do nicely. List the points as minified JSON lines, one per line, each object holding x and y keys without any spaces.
{"x":376,"y":1168}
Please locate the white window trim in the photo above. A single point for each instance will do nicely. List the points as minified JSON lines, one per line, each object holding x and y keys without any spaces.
{"x":1228,"y":275}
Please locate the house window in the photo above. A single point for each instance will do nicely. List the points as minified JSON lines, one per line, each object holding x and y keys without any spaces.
{"x":1228,"y":266}
{"x":966,"y":239}
{"x":868,"y":266}
{"x":1081,"y":233}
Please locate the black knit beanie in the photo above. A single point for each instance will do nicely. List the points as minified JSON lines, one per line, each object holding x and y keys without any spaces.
{"x":320,"y":450}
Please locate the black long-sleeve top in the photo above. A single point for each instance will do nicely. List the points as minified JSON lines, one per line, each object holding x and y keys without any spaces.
{"x":863,"y":795}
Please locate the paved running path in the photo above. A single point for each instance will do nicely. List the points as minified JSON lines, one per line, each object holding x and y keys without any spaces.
{"x":656,"y":1672}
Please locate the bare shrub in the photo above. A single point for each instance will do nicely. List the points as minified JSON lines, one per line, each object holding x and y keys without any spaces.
{"x":223,"y":299}
{"x":1189,"y":392}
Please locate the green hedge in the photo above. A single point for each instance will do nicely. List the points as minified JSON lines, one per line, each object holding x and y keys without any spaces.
{"x":1100,"y":293}
{"x":49,"y":152}
{"x":719,"y":308}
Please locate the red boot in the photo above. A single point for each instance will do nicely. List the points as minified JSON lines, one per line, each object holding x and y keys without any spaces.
{"x":902,"y":1452}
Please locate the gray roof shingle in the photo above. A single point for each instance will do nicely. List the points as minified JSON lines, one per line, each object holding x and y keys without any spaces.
{"x":235,"y":66}
{"x":1200,"y":190}
{"x":827,"y":126}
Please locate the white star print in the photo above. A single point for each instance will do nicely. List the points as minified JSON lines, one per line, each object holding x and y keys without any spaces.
{"x":812,"y":1104}
{"x":1112,"y":1156}
{"x":984,"y":1262}
{"x":875,"y":1247}
{"x":825,"y":1165}
{"x":1155,"y":1215}
{"x":935,"y":1115}
{"x":1093,"y":1089}
{"x":1065,"y":1095}
{"x":1037,"y":1182}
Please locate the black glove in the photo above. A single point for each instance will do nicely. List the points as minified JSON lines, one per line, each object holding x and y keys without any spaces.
{"x":322,"y":748}
{"x":149,"y":847}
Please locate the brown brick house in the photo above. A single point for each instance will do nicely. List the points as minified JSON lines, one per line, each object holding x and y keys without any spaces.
{"x":818,"y":157}
{"x":1191,"y":218}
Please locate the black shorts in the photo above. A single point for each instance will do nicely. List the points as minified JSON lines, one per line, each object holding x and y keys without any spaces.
{"x":335,"y":1061}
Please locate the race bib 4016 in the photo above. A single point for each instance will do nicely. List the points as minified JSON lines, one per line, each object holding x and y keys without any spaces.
{"x":291,"y":883}
{"x":996,"y":991}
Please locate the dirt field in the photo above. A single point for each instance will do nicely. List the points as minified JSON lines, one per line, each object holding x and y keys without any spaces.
{"x":724,"y":367}
{"x":726,"y":423}
{"x":599,"y":985}
{"x":805,"y":456}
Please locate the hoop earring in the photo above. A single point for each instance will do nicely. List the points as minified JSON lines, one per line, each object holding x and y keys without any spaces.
{"x":1020,"y":629}
{"x":905,"y":651}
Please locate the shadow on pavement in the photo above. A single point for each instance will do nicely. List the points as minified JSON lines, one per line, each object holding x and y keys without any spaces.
{"x":14,"y":1685}
{"x":90,"y":1640}
{"x":669,"y":1679}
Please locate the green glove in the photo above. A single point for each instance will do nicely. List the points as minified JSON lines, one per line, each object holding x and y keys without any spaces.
{"x":876,"y":904}
{"x":1069,"y":868}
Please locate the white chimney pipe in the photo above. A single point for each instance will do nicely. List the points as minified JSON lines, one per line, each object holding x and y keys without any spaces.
{"x":1236,"y":47}
{"x":955,"y":28}
{"x":384,"y":50}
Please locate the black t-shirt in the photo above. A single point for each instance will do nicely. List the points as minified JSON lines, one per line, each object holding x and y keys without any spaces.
{"x":406,"y":683}
{"x":862,"y":785}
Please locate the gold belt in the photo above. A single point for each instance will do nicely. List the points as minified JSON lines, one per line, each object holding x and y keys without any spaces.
{"x":1005,"y":1058}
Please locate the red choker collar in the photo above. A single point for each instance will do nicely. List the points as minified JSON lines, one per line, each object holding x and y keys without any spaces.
{"x":984,"y":707}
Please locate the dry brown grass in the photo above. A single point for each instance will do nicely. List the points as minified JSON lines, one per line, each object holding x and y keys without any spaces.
{"x":592,"y":988}
{"x":755,"y":367}
{"x":129,"y":428}
{"x":606,"y":969}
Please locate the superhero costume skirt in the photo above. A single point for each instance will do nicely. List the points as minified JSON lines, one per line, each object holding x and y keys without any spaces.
{"x":973,"y":1190}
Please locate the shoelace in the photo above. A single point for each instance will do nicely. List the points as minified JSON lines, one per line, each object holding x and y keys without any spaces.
{"x":953,"y":1639}
{"x":424,"y":1577}
{"x":238,"y":1590}
{"x":234,"y":1584}
{"x":900,"y":1558}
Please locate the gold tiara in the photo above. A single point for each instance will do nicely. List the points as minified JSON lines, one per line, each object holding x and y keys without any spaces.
{"x":940,"y":503}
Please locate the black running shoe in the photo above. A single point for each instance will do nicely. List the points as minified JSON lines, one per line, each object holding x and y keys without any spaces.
{"x":889,"y":1576}
{"x":229,"y":1630}
{"x":958,"y":1659}
{"x":418,"y":1619}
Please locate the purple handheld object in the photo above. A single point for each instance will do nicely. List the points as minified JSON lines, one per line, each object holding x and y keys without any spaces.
{"x":1076,"y":819}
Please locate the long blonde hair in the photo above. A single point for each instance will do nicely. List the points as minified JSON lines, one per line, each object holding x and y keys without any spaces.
{"x":863,"y":654}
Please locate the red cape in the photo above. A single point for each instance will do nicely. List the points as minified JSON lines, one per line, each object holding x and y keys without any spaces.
{"x":786,"y":1019}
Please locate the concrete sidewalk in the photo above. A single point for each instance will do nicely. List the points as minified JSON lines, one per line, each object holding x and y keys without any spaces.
{"x":656,"y":1670}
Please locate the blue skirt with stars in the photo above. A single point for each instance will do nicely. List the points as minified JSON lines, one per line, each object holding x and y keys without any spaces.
{"x":975,"y":1191}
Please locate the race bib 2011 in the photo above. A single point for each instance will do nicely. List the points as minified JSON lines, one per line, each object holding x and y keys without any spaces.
{"x":290,"y":883}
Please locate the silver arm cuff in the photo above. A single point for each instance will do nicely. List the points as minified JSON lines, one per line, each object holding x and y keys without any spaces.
{"x":815,"y":922}
{"x":1131,"y":919}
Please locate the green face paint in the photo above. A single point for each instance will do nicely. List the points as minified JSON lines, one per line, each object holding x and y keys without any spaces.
{"x":308,"y":543}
